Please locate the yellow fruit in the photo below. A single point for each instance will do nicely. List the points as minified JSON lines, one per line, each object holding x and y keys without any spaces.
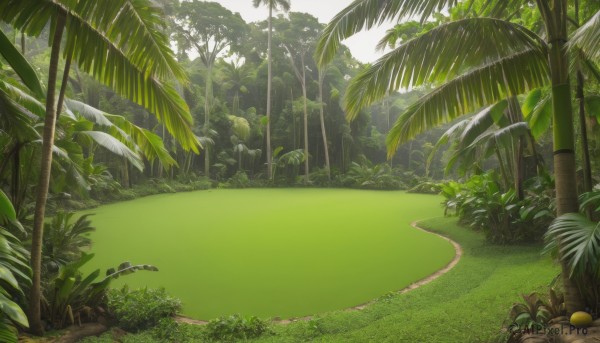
{"x":581,"y":319}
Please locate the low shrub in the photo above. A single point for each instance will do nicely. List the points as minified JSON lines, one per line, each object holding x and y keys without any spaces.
{"x":239,"y":180}
{"x":372,"y":177}
{"x":235,"y":327}
{"x":504,"y":218}
{"x":141,"y":309}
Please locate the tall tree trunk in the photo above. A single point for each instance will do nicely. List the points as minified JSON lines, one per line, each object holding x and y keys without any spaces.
{"x":269,"y":85}
{"x":35,"y":322}
{"x":63,"y":85}
{"x":555,"y":18}
{"x":585,"y":149}
{"x":207,"y":96}
{"x":306,"y":167}
{"x":322,"y":116}
{"x":293,"y":118}
{"x":520,"y":168}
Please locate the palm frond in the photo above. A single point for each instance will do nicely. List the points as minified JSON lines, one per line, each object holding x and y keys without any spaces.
{"x":438,"y":56}
{"x":484,"y":86}
{"x":579,"y":241}
{"x":587,"y":38}
{"x":487,"y":144}
{"x":365,"y":14}
{"x":452,"y":133}
{"x":115,"y":146}
{"x":109,"y":65}
{"x":149,"y":144}
{"x":88,"y":112}
{"x":139,"y":21}
{"x":15,"y":119}
{"x":116,"y":61}
{"x":22,"y":97}
{"x":482,"y":121}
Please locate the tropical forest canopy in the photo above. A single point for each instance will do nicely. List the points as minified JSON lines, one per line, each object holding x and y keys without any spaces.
{"x":493,"y":104}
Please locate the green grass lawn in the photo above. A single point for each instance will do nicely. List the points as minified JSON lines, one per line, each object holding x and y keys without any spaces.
{"x":468,"y":304}
{"x":272,"y":253}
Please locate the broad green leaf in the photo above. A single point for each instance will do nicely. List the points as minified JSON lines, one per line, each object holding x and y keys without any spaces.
{"x":113,"y":145}
{"x":21,"y":66}
{"x":537,"y":110}
{"x":13,"y":311}
{"x":8,"y":277}
{"x":7,"y":211}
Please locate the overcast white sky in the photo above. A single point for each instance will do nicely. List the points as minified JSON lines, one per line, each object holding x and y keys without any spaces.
{"x":362,"y":45}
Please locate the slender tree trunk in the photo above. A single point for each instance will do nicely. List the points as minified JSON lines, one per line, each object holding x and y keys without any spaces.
{"x":520,"y":169}
{"x":269,"y":85}
{"x":585,"y":149}
{"x":63,"y":86}
{"x":293,"y":118}
{"x":555,"y":18}
{"x":35,"y":322}
{"x":306,"y":167}
{"x":207,"y":95}
{"x":23,"y":43}
{"x":323,"y":131}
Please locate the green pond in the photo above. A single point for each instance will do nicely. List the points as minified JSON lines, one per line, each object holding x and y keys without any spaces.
{"x":271,"y":252}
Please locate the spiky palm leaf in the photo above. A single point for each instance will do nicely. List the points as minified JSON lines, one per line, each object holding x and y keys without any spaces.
{"x":148,"y":143}
{"x":579,"y":242}
{"x":430,"y":59}
{"x":366,"y":14}
{"x":491,"y":83}
{"x":487,"y":144}
{"x":22,"y":97}
{"x":134,"y":68}
{"x":16,"y":119}
{"x":587,"y":37}
{"x":482,"y":121}
{"x":463,"y":133}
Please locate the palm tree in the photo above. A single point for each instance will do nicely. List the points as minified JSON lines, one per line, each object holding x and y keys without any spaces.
{"x":122,"y":46}
{"x":273,"y":5}
{"x":322,"y":119}
{"x":472,"y":72}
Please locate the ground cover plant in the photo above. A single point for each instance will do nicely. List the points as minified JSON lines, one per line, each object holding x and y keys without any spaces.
{"x":308,"y":252}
